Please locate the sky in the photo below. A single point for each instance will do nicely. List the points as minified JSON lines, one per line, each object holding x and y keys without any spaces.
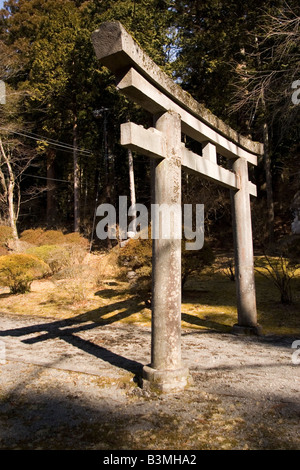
{"x":1,"y":3}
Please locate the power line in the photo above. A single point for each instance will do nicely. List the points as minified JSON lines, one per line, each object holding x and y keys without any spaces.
{"x":48,"y":179}
{"x":56,"y":143}
{"x":62,"y":147}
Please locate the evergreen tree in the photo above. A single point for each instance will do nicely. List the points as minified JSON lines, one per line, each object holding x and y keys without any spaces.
{"x":221,"y":45}
{"x":62,"y":84}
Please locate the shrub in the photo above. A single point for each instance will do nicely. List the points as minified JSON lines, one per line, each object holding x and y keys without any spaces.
{"x":56,"y":256}
{"x":75,"y":238}
{"x":137,"y":256}
{"x":32,"y":236}
{"x":59,"y":251}
{"x":281,"y":271}
{"x":141,"y":284}
{"x":17,"y":271}
{"x":76,"y":287}
{"x":3,"y":251}
{"x":229,"y":271}
{"x":293,"y":251}
{"x":51,"y":237}
{"x":195,"y":261}
{"x":109,"y":267}
{"x":6,"y":234}
{"x":76,"y":253}
{"x":40,"y":237}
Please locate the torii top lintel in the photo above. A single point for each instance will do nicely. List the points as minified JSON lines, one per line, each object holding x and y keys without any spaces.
{"x":117,"y":50}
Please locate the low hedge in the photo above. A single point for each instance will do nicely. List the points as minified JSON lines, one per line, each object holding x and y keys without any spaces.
{"x":17,"y":271}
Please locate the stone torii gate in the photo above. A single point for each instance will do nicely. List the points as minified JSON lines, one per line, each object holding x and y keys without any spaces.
{"x":175,"y":113}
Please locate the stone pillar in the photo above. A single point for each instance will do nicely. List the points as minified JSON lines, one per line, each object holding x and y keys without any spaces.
{"x":243,"y":246}
{"x":209,"y":152}
{"x":166,"y":372}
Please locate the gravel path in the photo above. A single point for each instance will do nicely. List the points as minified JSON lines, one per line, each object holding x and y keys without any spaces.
{"x":66,"y":385}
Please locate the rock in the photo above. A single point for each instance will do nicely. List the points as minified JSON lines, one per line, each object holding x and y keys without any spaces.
{"x":131,"y":274}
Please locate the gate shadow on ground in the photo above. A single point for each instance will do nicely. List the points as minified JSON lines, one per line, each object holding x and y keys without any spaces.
{"x":67,"y":330}
{"x":209,"y":325}
{"x":206,"y":297}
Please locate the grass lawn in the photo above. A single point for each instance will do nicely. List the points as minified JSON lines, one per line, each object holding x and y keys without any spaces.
{"x":208,"y":302}
{"x":211,"y":303}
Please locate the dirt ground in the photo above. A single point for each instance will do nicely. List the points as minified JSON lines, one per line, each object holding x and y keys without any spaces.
{"x":73,"y":385}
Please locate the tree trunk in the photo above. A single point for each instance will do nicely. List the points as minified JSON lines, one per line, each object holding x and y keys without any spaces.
{"x":267,"y":161}
{"x":51,"y":188}
{"x":107,"y":171}
{"x":269,"y":187}
{"x":11,"y":209}
{"x":12,"y":214}
{"x":270,"y":201}
{"x":132,"y":187}
{"x":76,"y":178}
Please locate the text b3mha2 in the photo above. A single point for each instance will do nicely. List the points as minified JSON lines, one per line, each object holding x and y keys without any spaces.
{"x":159,"y":458}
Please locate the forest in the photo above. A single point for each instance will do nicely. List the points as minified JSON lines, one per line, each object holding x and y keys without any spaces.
{"x":60,"y":149}
{"x":60,"y":152}
{"x":81,"y":321}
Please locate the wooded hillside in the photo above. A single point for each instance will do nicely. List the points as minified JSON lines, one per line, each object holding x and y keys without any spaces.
{"x":60,"y":126}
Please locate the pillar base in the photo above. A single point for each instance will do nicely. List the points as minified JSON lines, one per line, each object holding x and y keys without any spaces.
{"x":165,"y":380}
{"x":254,"y":330}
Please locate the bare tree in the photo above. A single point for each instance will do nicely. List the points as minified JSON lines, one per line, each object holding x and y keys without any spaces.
{"x":132,"y":188}
{"x":8,"y":187}
{"x":15,"y":159}
{"x":267,"y":73}
{"x":264,"y":87}
{"x":15,"y":156}
{"x":76,"y":177}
